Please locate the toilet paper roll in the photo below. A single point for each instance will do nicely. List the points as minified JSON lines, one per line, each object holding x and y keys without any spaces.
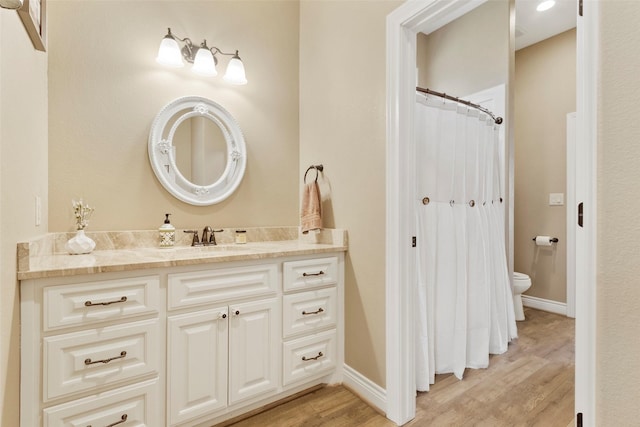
{"x":543,"y":240}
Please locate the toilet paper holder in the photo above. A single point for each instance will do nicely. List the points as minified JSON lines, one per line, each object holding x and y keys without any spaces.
{"x":553,"y":239}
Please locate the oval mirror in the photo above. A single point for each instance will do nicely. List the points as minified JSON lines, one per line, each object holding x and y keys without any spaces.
{"x":197,"y":150}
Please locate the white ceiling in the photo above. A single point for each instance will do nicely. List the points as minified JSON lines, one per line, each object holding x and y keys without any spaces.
{"x":533,"y":26}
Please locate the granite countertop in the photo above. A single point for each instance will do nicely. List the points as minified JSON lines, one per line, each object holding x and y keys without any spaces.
{"x":135,"y":250}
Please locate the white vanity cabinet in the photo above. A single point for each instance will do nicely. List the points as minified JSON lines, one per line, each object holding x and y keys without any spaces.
{"x":91,"y":351}
{"x":221,"y":355}
{"x":183,"y":346}
{"x":310,"y":318}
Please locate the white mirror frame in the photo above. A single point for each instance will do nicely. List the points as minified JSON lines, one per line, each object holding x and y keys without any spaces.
{"x":162,"y":152}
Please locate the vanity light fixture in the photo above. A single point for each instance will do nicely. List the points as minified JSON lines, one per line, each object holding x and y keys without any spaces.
{"x":202,"y":57}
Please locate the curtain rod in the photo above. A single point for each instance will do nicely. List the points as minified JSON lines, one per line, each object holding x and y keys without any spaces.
{"x":497,"y":120}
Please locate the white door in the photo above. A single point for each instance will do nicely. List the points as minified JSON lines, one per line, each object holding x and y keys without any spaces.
{"x":197,"y":364}
{"x":253,"y":349}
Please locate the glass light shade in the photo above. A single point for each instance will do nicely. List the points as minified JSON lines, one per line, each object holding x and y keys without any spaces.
{"x":169,"y":53}
{"x":235,"y":72}
{"x":204,"y":64}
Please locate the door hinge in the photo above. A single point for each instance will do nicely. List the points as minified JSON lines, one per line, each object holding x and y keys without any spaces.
{"x":580,"y":7}
{"x":579,"y":419}
{"x":413,"y":242}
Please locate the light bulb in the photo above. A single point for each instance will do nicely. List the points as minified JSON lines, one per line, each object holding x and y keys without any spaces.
{"x":235,"y":71}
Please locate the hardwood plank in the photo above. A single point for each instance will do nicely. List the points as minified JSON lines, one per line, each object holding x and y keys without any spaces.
{"x":532,"y":384}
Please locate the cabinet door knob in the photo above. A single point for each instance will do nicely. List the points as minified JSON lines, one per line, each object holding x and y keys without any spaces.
{"x":237,"y":312}
{"x":222,"y":316}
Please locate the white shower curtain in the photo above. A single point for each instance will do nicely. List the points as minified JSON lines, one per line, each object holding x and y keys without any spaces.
{"x":464,"y":300}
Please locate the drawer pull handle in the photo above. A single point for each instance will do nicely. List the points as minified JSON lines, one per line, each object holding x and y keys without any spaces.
{"x":89,"y":303}
{"x":123,"y":418}
{"x":318,"y":311}
{"x":320,"y":273}
{"x":91,"y":362}
{"x":305,"y":359}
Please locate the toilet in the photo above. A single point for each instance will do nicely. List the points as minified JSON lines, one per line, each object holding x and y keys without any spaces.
{"x":521,"y":282}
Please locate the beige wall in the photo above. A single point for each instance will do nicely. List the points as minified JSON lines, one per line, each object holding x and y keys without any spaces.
{"x":475,"y":43}
{"x":618,"y":269}
{"x":106,"y":88}
{"x":23,"y":176}
{"x":342,"y":125}
{"x":545,"y":91}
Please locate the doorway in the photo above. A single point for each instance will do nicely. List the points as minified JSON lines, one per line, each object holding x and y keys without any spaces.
{"x":402,"y":26}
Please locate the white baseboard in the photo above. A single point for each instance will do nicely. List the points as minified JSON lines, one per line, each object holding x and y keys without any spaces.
{"x":545,"y":304}
{"x":366,"y":389}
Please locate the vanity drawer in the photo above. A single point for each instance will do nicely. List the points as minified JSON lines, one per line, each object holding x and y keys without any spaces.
{"x":309,"y":311}
{"x":80,"y":361}
{"x":309,"y":357}
{"x":94,"y":302}
{"x":135,"y":405}
{"x":219,"y":285}
{"x":310,"y":273}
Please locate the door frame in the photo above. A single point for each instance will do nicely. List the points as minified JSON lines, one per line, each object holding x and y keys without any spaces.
{"x":574,"y":175}
{"x":403,"y":24}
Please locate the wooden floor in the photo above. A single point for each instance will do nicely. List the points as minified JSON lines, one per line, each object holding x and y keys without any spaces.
{"x":532,"y":384}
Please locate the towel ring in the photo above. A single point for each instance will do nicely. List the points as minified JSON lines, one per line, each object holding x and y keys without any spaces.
{"x":318,"y":168}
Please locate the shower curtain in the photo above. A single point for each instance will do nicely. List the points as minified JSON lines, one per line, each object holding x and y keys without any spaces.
{"x":464,"y":300}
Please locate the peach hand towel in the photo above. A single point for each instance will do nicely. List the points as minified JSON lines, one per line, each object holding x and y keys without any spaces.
{"x":311,"y":212}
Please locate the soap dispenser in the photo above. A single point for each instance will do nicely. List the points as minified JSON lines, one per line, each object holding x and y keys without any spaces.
{"x":167,"y":233}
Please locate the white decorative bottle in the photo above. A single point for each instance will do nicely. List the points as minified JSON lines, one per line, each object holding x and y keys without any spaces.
{"x":167,"y":233}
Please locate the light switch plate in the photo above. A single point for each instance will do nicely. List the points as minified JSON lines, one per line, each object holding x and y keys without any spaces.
{"x":556,"y":199}
{"x":38,"y":210}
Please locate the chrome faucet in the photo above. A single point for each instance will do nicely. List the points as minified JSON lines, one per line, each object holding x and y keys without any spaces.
{"x":208,"y":236}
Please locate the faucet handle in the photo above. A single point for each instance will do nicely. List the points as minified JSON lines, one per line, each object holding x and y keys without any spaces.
{"x":195,"y":240}
{"x":212,"y":239}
